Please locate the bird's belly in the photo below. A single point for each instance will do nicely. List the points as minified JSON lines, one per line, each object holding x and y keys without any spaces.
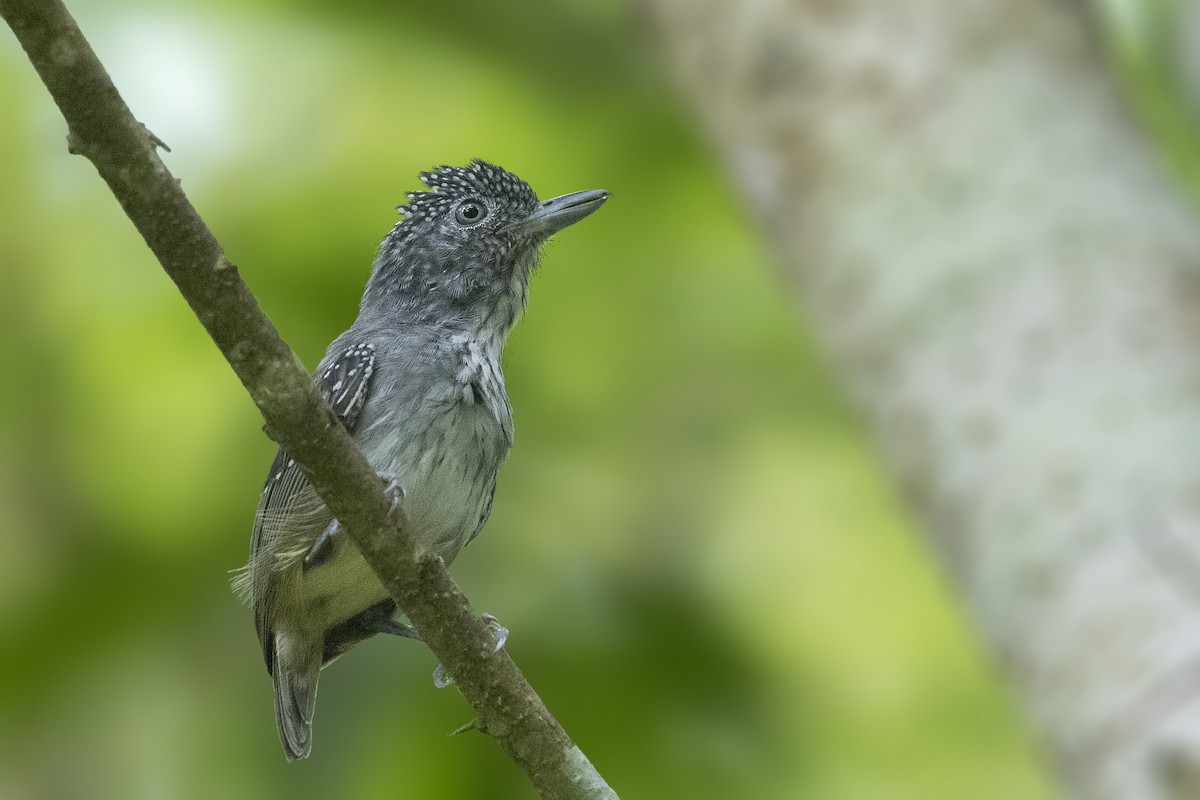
{"x":445,"y":475}
{"x":444,"y":480}
{"x":340,"y":587}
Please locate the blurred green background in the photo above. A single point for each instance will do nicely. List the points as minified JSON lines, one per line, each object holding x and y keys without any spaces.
{"x":704,"y":569}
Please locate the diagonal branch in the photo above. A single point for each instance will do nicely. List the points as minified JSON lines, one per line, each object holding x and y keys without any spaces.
{"x":102,"y":128}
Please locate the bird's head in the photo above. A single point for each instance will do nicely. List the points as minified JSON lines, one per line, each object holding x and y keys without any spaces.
{"x":466,"y":247}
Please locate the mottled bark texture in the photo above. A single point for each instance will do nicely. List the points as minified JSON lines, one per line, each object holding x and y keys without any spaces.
{"x":102,"y":128}
{"x":1010,"y":290}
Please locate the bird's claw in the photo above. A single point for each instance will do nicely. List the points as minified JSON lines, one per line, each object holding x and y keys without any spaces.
{"x":499,"y":632}
{"x":393,"y":490}
{"x":442,"y":678}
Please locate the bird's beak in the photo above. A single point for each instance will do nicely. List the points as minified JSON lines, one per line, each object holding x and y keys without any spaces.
{"x":554,"y":215}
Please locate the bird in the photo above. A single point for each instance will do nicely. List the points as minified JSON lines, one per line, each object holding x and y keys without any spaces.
{"x":417,"y":382}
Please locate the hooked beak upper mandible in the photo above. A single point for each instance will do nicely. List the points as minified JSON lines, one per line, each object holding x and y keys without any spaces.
{"x":553,"y":215}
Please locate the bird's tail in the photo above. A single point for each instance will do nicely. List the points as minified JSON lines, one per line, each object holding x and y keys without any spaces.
{"x":295,"y":674}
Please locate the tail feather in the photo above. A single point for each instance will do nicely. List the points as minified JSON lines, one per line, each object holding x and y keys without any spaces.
{"x":295,"y":700}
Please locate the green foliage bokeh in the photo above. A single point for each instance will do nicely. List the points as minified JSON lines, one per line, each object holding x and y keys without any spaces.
{"x":703,"y":568}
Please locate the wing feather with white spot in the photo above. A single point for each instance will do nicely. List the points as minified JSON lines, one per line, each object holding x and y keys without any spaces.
{"x":344,"y":383}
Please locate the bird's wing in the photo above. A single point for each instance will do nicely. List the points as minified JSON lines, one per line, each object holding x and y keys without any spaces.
{"x":290,"y":515}
{"x":345,"y":381}
{"x":287,"y":498}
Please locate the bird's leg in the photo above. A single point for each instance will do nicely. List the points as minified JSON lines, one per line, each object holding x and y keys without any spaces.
{"x":442,"y":678}
{"x":323,"y":547}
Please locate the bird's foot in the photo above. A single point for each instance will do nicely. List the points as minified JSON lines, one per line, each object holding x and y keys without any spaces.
{"x":442,"y":678}
{"x":393,"y":490}
{"x":499,"y":632}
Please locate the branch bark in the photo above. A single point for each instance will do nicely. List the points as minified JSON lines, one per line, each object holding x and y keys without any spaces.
{"x":102,"y":128}
{"x":1008,"y":287}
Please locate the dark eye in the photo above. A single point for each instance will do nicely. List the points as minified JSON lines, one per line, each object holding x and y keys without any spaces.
{"x":470,"y":212}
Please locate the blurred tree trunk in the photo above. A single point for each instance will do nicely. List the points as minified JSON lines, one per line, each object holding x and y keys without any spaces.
{"x":1010,"y":290}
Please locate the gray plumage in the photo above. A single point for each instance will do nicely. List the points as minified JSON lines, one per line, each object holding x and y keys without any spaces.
{"x":417,"y":382}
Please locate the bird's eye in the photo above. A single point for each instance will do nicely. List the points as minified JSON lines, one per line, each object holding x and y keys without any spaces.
{"x":470,"y":212}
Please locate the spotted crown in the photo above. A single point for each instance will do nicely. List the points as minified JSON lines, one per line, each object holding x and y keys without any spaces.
{"x":479,"y":179}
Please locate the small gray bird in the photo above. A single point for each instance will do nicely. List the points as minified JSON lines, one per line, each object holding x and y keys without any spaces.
{"x":417,"y":382}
